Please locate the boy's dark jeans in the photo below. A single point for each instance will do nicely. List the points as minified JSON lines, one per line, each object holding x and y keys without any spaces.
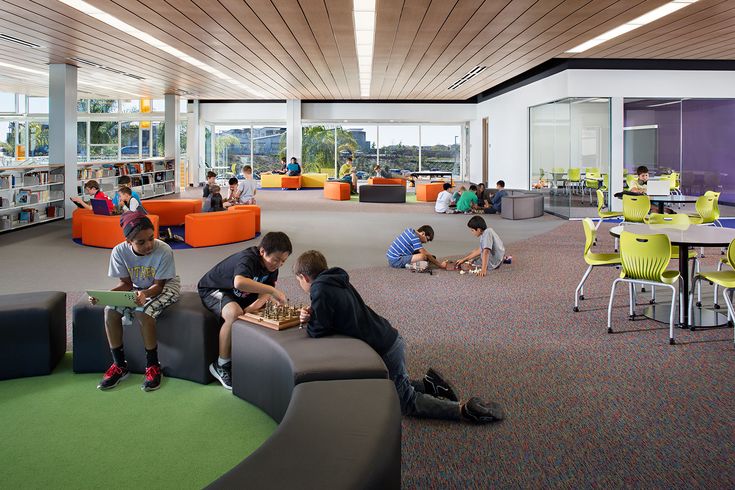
{"x":410,"y":393}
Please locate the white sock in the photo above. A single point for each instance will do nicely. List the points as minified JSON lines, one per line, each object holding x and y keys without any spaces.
{"x":221,"y":361}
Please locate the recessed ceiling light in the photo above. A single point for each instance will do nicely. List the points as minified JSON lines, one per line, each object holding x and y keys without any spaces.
{"x":23,"y":68}
{"x":363,"y":15}
{"x":110,"y":20}
{"x":655,"y":14}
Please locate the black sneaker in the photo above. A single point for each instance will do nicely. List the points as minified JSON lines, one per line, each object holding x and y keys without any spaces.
{"x":113,"y":376}
{"x":436,"y":386}
{"x":479,"y":412}
{"x":223,"y":374}
{"x":152,"y":379}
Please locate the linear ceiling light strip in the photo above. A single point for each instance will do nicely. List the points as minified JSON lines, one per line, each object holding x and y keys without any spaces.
{"x":364,"y":19}
{"x":110,"y":20}
{"x":653,"y":15}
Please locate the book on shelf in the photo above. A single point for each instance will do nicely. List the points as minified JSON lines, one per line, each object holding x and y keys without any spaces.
{"x":22,"y":196}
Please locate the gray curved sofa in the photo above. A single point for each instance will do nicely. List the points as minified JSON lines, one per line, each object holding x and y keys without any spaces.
{"x":519,"y":204}
{"x":339,"y":416}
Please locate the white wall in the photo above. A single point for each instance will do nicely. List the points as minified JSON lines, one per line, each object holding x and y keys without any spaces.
{"x":234,"y":112}
{"x":651,"y":83}
{"x":508,"y":131}
{"x":386,"y":112}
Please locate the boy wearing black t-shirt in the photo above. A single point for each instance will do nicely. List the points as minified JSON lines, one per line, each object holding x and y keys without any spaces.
{"x":241,"y":283}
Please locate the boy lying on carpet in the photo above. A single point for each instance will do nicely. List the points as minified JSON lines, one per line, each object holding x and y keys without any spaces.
{"x":241,"y":283}
{"x":491,"y":251}
{"x":337,"y":308}
{"x":144,"y":265}
{"x":408,"y":251}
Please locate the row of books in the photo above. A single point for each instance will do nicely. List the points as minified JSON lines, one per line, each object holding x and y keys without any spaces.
{"x":30,"y":215}
{"x":40,"y":178}
{"x":96,"y":173}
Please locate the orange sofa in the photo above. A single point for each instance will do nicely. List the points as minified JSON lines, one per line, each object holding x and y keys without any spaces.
{"x":172,"y":212}
{"x":381,"y":180}
{"x":254,"y":208}
{"x":207,"y":229}
{"x":291,"y":182}
{"x":338,"y":191}
{"x":76,"y":221}
{"x":105,"y":231}
{"x":428,"y":192}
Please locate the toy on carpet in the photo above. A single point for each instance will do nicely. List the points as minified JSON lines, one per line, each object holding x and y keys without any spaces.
{"x":276,"y":317}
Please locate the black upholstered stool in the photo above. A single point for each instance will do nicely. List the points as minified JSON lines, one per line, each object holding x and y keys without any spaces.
{"x":32,"y":333}
{"x":187,"y":336}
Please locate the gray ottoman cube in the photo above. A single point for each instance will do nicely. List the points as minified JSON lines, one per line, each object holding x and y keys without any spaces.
{"x":187,"y":335}
{"x":32,"y":333}
{"x":382,"y":193}
{"x":267,"y":364}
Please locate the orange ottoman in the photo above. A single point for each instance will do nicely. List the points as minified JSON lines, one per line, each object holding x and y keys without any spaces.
{"x":76,"y":221}
{"x":252,"y":207}
{"x":428,"y":192}
{"x":172,"y":212}
{"x":338,"y":191}
{"x":218,"y":228}
{"x":105,"y":231}
{"x":291,"y":182}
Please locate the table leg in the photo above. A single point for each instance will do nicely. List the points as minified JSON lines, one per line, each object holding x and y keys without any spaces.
{"x":684,"y":284}
{"x":661,"y":209}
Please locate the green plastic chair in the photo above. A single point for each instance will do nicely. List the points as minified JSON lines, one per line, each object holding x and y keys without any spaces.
{"x":636,"y":208}
{"x":678,"y":221}
{"x":644,"y":259}
{"x":605,"y":214}
{"x":575,"y":177}
{"x":727,"y":260}
{"x":630,"y":179}
{"x":716,"y":196}
{"x":592,"y":259}
{"x":706,"y":214}
{"x":723,"y":279}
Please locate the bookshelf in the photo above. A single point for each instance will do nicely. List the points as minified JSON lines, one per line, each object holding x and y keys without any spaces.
{"x":30,"y":195}
{"x":151,"y":177}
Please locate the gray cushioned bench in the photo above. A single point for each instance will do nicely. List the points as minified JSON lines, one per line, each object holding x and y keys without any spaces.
{"x":522,"y":205}
{"x":343,"y":434}
{"x":382,"y":193}
{"x":32,"y":333}
{"x":187,"y":335}
{"x":267,"y":364}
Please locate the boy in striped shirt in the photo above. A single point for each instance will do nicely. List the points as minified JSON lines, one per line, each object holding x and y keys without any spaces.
{"x":407,"y":250}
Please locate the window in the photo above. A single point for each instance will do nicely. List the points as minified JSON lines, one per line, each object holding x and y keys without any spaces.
{"x":158,"y":136}
{"x":8,"y":132}
{"x":129,"y":136}
{"x":82,"y":141}
{"x":183,"y":128}
{"x":440,"y":148}
{"x":231,"y":148}
{"x":103,"y":136}
{"x":102,"y":106}
{"x":8,"y":103}
{"x":359,"y":142}
{"x":269,"y":145}
{"x":37,"y":105}
{"x":83,"y":105}
{"x":399,"y":147}
{"x":158,"y":105}
{"x":130,"y":106}
{"x":317,"y":148}
{"x":38,"y":139}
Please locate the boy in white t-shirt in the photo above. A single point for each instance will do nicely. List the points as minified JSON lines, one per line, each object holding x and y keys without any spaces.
{"x":444,"y":199}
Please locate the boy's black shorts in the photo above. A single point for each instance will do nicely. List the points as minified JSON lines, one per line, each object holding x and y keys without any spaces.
{"x":216,"y":299}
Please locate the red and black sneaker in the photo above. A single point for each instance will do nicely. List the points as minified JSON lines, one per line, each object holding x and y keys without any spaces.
{"x":152,"y":379}
{"x":113,"y":376}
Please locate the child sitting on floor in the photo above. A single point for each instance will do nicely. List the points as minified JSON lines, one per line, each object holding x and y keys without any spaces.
{"x":216,"y":201}
{"x":408,"y":251}
{"x":338,"y":309}
{"x":490,"y":253}
{"x":444,"y":200}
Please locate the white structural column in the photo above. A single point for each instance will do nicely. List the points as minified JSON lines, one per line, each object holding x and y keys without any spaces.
{"x":293,"y":128}
{"x":62,"y":93}
{"x":171,"y":141}
{"x":192,"y":143}
{"x":615,"y":183}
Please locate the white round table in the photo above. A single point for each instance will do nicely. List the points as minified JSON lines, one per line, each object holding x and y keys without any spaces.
{"x":685,"y":237}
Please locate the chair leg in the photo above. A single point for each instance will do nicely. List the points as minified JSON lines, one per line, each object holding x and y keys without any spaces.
{"x":714,"y":296}
{"x":609,"y":306}
{"x":577,"y":295}
{"x":653,"y":295}
{"x":695,"y":270}
{"x":631,"y":300}
{"x":727,"y":294}
{"x":616,"y":243}
{"x":695,"y":281}
{"x":671,"y":316}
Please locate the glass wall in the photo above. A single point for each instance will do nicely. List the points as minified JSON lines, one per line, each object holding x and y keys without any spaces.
{"x":228,"y":148}
{"x":570,"y":154}
{"x":692,"y":137}
{"x":400,"y":147}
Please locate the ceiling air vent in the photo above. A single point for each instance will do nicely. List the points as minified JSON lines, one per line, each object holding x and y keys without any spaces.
{"x":86,"y":62}
{"x":106,"y":68}
{"x":470,"y":74}
{"x":15,"y":40}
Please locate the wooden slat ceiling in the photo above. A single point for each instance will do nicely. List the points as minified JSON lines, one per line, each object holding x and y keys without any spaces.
{"x":305,"y":49}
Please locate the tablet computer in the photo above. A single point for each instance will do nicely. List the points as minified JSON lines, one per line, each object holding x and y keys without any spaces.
{"x":75,"y":202}
{"x":114,"y":298}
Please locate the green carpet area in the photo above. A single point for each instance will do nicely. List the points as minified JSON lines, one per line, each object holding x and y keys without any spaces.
{"x":410,"y":198}
{"x":60,"y":431}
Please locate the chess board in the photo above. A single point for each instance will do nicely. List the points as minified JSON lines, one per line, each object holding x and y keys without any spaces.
{"x":275,"y":318}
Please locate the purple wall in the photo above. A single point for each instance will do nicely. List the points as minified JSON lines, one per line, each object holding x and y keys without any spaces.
{"x":707,"y":140}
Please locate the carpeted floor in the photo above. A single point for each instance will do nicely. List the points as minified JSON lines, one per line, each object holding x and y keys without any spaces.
{"x":59,"y":431}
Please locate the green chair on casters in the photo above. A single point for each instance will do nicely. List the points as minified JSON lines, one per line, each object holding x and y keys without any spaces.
{"x":726,"y":260}
{"x":723,"y":279}
{"x":635,"y":208}
{"x":575,"y":177}
{"x":592,"y":259}
{"x":603,"y":215}
{"x":707,"y":211}
{"x":630,"y":179}
{"x":644,"y":259}
{"x":679,"y":221}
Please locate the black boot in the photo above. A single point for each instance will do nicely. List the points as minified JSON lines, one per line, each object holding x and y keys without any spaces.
{"x":435,"y":385}
{"x":479,"y":412}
